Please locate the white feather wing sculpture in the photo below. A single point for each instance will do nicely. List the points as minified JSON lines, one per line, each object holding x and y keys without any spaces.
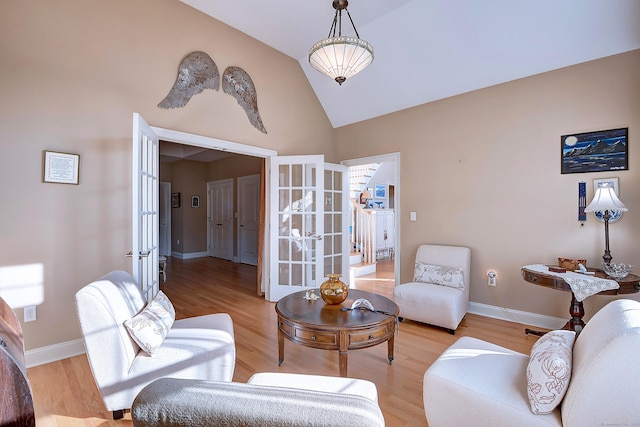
{"x":196,"y":72}
{"x":237,"y":83}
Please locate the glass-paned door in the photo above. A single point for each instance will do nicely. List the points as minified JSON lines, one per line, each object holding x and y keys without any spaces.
{"x":335,"y":211}
{"x":146,"y":207}
{"x":296,"y":233}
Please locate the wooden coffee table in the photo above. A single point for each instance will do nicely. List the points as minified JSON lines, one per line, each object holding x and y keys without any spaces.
{"x":315,"y":324}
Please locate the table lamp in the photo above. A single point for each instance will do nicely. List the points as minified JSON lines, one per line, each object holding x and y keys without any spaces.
{"x":366,"y":196}
{"x":606,"y":200}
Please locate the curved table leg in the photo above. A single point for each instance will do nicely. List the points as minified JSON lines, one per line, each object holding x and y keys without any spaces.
{"x":577,"y":313}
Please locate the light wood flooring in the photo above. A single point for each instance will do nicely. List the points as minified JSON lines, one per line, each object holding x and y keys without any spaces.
{"x":65,"y":394}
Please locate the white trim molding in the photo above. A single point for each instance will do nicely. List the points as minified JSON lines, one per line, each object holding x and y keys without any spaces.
{"x":516,"y":316}
{"x":53,"y":353}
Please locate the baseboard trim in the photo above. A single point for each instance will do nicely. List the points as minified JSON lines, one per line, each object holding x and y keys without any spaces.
{"x":516,"y":316}
{"x":190,"y":255}
{"x":53,"y":353}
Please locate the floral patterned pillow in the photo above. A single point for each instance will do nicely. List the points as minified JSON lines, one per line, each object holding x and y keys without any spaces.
{"x":452,"y":277}
{"x":150,"y":327}
{"x":549,"y":370}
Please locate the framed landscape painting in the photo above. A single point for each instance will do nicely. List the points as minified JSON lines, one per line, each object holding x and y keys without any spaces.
{"x":601,"y":151}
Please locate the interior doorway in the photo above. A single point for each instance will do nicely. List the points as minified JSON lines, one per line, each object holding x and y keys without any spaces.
{"x":190,"y":146}
{"x":385,"y":192}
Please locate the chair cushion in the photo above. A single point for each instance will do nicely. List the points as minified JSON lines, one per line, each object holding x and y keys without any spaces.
{"x":482,"y":384}
{"x":549,"y":370}
{"x":442,"y":275}
{"x":150,"y":327}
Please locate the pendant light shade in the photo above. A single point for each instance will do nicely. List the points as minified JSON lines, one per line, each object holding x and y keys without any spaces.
{"x":340,"y":57}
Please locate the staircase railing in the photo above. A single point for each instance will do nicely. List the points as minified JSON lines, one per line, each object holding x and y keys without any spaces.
{"x":363,"y":232}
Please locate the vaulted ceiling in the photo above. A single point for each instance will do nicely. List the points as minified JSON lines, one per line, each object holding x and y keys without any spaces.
{"x":426,"y":50}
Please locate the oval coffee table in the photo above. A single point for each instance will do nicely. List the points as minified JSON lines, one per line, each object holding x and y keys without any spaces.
{"x":315,"y":324}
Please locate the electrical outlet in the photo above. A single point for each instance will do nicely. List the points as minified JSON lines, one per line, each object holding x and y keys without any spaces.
{"x":491,"y":281}
{"x":30,"y":313}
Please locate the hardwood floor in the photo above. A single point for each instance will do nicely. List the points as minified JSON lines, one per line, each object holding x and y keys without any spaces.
{"x":65,"y":394}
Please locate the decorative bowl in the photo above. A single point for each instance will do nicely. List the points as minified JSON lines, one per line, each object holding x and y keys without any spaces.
{"x":617,"y":271}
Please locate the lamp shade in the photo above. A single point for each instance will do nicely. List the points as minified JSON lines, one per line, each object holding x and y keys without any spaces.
{"x":366,"y":194}
{"x":605,"y":199}
{"x":341,"y":57}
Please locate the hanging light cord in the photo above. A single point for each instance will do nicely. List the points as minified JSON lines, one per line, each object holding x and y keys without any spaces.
{"x":337,"y":23}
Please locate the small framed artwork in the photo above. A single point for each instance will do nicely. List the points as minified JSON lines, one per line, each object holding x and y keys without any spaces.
{"x":600,"y":151}
{"x":60,"y":168}
{"x":615,"y":214}
{"x":606,"y":182}
{"x":175,"y":200}
{"x":195,"y":201}
{"x":380,"y":191}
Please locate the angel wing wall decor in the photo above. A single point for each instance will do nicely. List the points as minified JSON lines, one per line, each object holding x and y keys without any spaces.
{"x":196,"y":72}
{"x":237,"y":83}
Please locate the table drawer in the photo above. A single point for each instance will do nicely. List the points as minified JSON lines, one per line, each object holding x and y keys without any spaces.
{"x":370,"y":335}
{"x":311,"y":336}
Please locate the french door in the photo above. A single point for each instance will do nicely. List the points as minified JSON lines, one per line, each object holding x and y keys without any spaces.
{"x":307,"y":208}
{"x":308,"y":230}
{"x":145,"y":204}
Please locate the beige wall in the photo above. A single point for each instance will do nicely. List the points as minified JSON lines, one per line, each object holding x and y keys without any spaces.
{"x":73,"y":72}
{"x":483,"y":170}
{"x":189,"y":224}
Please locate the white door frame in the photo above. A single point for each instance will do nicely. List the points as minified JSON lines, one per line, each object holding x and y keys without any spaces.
{"x":390,"y":157}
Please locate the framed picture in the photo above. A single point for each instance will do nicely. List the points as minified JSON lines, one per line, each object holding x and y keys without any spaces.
{"x":381,"y":191}
{"x":175,"y":200}
{"x":615,"y":214}
{"x":195,"y":201}
{"x":608,"y":182}
{"x":601,"y":151}
{"x":60,"y":168}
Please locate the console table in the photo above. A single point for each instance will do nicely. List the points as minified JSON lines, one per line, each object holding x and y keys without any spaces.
{"x":629,"y":285}
{"x":315,"y":324}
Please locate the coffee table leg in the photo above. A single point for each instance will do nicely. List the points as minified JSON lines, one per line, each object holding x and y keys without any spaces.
{"x":280,"y":348}
{"x":390,"y":348}
{"x":342,"y":356}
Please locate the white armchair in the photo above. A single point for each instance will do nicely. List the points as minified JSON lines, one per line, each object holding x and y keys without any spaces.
{"x":443,"y":303}
{"x":481,"y":384}
{"x":200,"y":347}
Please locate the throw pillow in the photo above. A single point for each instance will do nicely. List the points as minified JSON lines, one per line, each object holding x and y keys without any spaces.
{"x":549,"y":370}
{"x":452,"y":277}
{"x":150,"y":327}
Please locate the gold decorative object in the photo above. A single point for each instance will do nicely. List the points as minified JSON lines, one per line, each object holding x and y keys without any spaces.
{"x":334,"y":291}
{"x":237,"y":83}
{"x":571,"y":264}
{"x":196,"y":72}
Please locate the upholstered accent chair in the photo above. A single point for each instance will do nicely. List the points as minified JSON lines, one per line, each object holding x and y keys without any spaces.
{"x":200,"y":347}
{"x":478,"y":383}
{"x":439,"y":292}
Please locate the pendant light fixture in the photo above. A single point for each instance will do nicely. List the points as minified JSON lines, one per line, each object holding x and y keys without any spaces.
{"x":340,"y":57}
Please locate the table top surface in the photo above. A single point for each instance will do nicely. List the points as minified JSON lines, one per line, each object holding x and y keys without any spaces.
{"x":296,"y":308}
{"x":628,"y":285}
